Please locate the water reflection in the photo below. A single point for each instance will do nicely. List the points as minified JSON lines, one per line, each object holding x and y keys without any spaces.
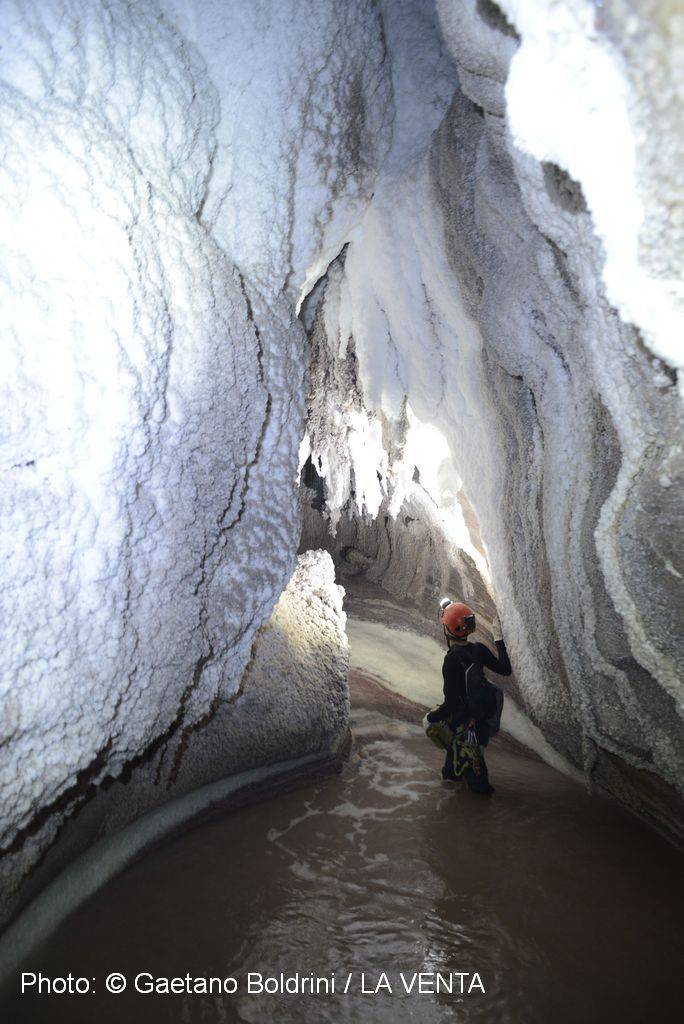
{"x":564,"y":906}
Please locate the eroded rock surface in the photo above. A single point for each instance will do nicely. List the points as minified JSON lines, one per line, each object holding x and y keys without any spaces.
{"x":293,"y":701}
{"x":154,"y":385}
{"x":502,"y":289}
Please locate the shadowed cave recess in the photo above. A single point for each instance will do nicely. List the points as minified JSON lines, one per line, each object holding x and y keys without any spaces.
{"x":382,"y":295}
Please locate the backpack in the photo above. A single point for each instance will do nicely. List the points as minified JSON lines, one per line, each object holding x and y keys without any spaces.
{"x":494,"y":720}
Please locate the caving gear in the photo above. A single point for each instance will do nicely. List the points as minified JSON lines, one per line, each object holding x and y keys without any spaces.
{"x":483,"y":698}
{"x":458,"y":620}
{"x":465,"y":760}
{"x":493,"y":723}
{"x":478,"y":700}
{"x":471,"y":695}
{"x":471,"y":710}
{"x":439,"y":732}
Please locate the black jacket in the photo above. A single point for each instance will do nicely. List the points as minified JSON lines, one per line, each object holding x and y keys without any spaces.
{"x":465,"y":697}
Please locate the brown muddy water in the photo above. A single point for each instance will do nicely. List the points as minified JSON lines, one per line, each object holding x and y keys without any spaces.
{"x":565,"y":908}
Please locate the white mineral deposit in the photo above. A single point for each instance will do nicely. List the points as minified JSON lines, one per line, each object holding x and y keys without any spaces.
{"x":314,"y":312}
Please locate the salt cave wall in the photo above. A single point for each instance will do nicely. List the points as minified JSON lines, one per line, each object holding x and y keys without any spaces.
{"x":292,"y":702}
{"x":394,"y":510}
{"x":168,"y":171}
{"x":515,"y":288}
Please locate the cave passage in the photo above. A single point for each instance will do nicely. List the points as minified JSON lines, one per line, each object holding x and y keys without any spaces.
{"x":317,"y":312}
{"x":563,"y":905}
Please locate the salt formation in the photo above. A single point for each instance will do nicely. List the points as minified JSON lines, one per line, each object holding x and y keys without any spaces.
{"x":520,"y":310}
{"x":464,"y":206}
{"x":281,"y":720}
{"x":154,"y":390}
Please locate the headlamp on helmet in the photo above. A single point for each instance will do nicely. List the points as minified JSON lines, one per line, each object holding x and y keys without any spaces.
{"x":458,"y":620}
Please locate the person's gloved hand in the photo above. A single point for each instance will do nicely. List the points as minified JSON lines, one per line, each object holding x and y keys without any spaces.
{"x":497,"y":633}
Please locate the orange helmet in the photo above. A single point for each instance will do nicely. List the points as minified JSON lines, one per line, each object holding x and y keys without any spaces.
{"x":458,"y":620}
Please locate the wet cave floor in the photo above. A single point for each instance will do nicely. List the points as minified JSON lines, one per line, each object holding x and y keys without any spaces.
{"x":565,"y":908}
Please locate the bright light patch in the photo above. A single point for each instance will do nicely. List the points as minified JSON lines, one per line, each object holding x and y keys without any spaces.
{"x":427,"y":451}
{"x":369,"y":459}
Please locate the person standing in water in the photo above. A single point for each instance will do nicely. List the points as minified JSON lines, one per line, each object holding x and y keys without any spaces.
{"x":472,"y":705}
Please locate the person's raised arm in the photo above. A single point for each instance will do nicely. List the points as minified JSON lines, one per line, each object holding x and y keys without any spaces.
{"x":501,"y":664}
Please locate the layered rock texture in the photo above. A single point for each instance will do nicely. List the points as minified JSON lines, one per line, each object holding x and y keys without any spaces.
{"x":153,"y":389}
{"x":503,"y":291}
{"x":293,"y":701}
{"x":446,"y":226}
